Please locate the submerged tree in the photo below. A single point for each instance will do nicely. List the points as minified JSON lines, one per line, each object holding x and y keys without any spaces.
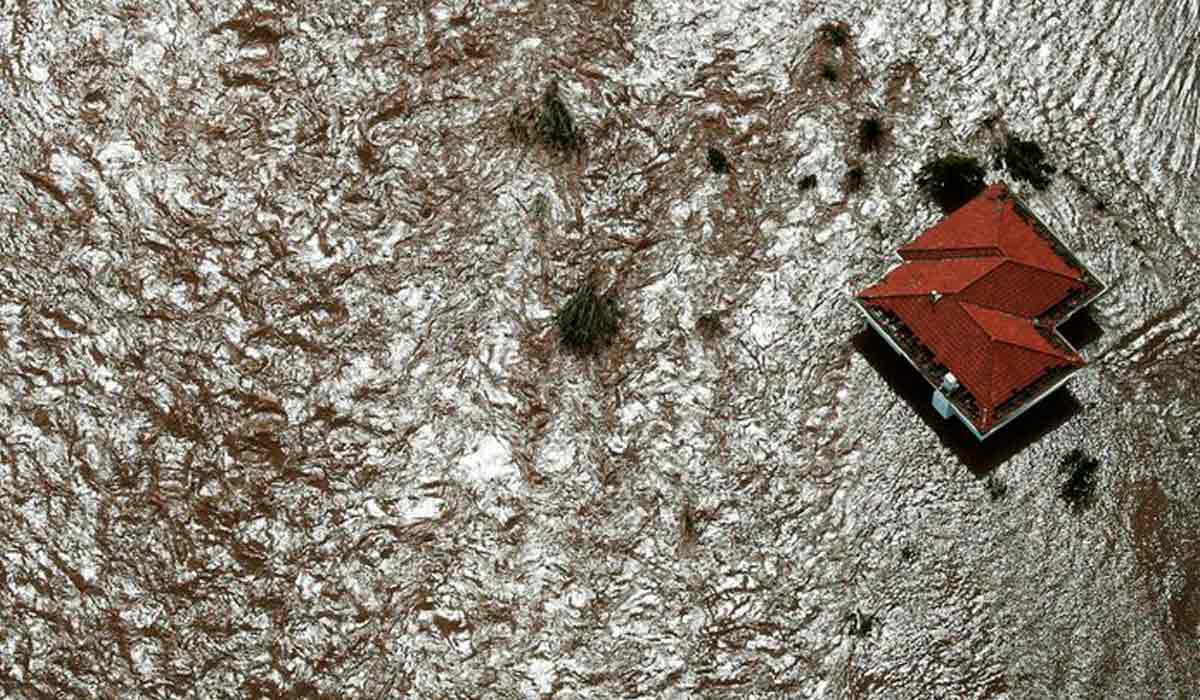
{"x":952,"y":180}
{"x":1026,"y":161}
{"x":588,"y":320}
{"x":1079,"y":487}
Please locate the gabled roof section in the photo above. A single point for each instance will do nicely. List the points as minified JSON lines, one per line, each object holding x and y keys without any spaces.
{"x":1018,"y":332}
{"x":920,"y":277}
{"x":979,"y":295}
{"x":992,"y":225}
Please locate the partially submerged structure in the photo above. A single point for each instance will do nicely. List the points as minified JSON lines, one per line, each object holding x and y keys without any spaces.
{"x":975,"y":307}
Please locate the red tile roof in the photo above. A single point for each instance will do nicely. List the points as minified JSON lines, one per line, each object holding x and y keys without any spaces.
{"x":972,"y":291}
{"x":988,"y":225}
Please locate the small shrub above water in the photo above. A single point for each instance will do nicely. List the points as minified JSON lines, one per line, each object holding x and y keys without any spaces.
{"x":858,"y":623}
{"x":870,"y":134}
{"x":549,"y":122}
{"x":855,"y":177}
{"x":1078,"y":489}
{"x":836,"y":33}
{"x":587,"y":321}
{"x":555,"y":126}
{"x":996,"y":488}
{"x":1026,"y":161}
{"x":709,"y":326}
{"x":717,"y":161}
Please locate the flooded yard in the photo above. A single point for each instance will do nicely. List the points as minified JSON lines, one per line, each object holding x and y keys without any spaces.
{"x":286,"y":414}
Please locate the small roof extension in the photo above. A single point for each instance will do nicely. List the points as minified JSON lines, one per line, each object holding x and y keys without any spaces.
{"x":980,"y":295}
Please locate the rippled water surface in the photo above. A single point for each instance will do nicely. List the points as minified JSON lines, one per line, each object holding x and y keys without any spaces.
{"x":285,"y":415}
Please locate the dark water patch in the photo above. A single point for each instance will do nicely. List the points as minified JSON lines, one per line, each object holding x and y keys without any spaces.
{"x":256,"y":27}
{"x":254,"y":74}
{"x":905,"y":84}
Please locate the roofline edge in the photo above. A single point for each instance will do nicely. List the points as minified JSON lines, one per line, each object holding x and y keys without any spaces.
{"x":962,"y":417}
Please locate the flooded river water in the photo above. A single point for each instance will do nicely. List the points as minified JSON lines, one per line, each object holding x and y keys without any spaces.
{"x":285,"y":415}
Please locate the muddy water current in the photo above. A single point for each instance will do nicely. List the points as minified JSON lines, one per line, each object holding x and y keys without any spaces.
{"x":284,"y":414}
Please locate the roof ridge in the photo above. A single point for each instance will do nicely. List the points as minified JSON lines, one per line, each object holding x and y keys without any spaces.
{"x":970,"y":271}
{"x":1064,"y":356}
{"x":989,"y":361}
{"x":990,"y":368}
{"x":989,"y":308}
{"x":994,"y":251}
{"x":1014,"y":261}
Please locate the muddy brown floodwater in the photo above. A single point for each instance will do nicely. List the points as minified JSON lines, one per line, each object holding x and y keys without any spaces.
{"x":284,"y":413}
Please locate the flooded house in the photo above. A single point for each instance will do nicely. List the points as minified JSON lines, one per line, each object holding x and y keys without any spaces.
{"x":975,"y":307}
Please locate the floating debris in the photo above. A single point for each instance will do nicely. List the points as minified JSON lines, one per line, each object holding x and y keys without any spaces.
{"x":952,"y":180}
{"x":808,"y":182}
{"x":587,"y":320}
{"x":1026,"y":161}
{"x":717,"y":161}
{"x":689,"y":532}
